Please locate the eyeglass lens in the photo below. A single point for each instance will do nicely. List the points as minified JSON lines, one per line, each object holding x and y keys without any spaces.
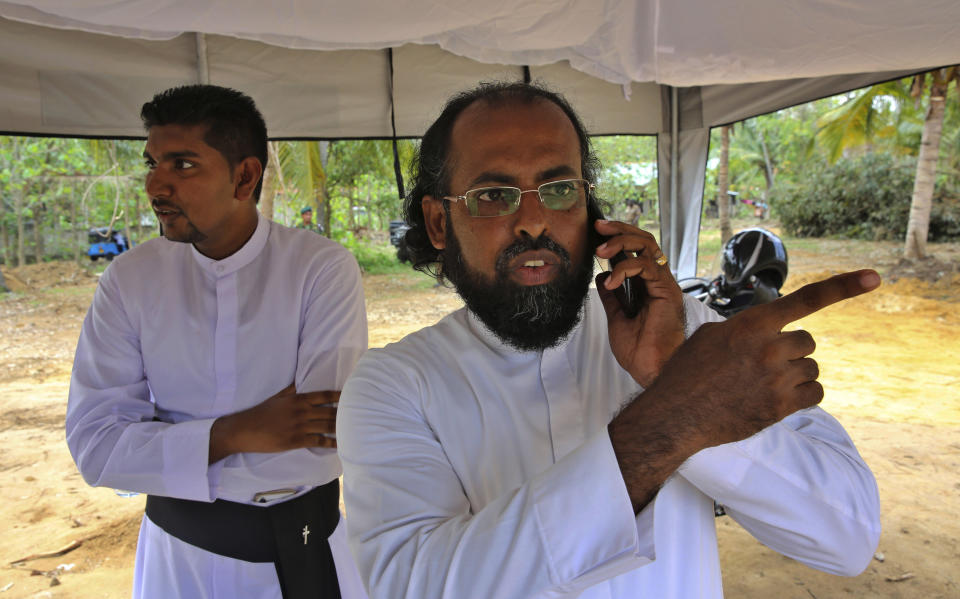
{"x":500,"y":201}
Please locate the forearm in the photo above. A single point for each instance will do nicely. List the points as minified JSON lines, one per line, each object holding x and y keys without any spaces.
{"x":111,"y":425}
{"x":651,"y":439}
{"x":117,"y":444}
{"x":223,"y":439}
{"x":799,"y":487}
{"x":238,"y":433}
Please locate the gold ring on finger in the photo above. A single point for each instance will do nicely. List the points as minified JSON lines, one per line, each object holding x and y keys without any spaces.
{"x":660,"y":259}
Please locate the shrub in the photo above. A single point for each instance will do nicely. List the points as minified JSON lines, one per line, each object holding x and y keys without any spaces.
{"x":944,"y":218}
{"x":373,"y":258}
{"x":867,"y":197}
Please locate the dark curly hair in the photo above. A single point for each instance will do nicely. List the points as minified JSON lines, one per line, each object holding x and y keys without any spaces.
{"x":235,"y":127}
{"x":430,"y":166}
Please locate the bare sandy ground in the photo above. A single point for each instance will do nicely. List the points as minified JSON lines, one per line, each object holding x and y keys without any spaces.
{"x":890,"y":364}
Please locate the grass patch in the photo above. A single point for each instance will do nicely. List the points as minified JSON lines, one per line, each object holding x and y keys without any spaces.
{"x":373,"y":258}
{"x":75,"y":290}
{"x":397,"y":284}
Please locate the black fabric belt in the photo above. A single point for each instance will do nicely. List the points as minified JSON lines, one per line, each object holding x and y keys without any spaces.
{"x":292,"y":535}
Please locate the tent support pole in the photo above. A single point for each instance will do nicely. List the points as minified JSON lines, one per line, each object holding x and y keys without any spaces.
{"x":203,"y":67}
{"x":398,"y":173}
{"x":674,"y":251}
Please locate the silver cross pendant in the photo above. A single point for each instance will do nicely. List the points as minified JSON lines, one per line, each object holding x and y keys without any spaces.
{"x":306,"y":533}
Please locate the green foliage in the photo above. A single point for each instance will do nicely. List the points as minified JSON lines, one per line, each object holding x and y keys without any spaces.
{"x":881,"y":114}
{"x":944,"y":217}
{"x":867,"y":197}
{"x":358,"y":177}
{"x":764,"y":151}
{"x":52,"y":190}
{"x":373,"y":258}
{"x":628,"y":170}
{"x":61,"y":187}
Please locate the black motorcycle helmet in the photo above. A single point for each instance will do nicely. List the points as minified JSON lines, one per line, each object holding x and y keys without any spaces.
{"x":754,"y":252}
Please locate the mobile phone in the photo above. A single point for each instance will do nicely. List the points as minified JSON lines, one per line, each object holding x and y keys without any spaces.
{"x":270,"y":496}
{"x":632,"y":294}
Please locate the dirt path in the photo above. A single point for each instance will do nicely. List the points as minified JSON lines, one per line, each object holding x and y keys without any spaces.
{"x":890,"y":364}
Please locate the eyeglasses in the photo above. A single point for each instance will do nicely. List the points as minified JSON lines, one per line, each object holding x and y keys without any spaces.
{"x":500,"y":201}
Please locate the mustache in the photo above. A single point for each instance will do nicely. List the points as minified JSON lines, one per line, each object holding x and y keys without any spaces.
{"x":527,"y":243}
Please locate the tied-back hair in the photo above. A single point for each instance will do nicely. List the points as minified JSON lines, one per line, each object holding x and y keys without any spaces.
{"x":431,"y":164}
{"x":234,"y":126}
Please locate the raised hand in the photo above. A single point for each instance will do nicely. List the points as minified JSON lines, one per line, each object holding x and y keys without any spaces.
{"x":728,"y":381}
{"x":750,"y":374}
{"x":286,"y":420}
{"x":644,"y":343}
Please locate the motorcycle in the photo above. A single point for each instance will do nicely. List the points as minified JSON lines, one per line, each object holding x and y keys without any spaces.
{"x":753,"y":269}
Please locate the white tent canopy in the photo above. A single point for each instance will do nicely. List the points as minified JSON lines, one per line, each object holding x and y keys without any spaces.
{"x":375,"y":68}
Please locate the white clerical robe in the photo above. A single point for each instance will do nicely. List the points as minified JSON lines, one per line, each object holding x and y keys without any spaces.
{"x":172,"y":341}
{"x":475,"y":470}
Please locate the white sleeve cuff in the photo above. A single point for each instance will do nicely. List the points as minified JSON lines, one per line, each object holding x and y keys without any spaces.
{"x":590,"y":524}
{"x":186,"y":455}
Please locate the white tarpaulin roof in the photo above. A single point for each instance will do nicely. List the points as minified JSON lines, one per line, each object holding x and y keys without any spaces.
{"x":321,"y":69}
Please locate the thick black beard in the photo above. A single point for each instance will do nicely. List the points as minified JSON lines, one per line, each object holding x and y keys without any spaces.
{"x":525,"y":317}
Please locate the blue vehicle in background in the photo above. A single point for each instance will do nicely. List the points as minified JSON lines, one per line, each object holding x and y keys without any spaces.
{"x":106,"y":244}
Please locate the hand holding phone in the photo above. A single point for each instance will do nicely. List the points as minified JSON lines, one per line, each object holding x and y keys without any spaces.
{"x":632,"y":294}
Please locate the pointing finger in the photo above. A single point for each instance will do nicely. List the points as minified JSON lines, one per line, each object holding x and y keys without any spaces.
{"x":815,"y":296}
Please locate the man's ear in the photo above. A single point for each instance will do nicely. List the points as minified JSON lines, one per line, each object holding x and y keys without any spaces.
{"x":249,"y":172}
{"x":435,"y":220}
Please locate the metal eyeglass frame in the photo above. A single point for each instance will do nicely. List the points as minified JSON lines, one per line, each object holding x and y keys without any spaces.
{"x":588,"y":187}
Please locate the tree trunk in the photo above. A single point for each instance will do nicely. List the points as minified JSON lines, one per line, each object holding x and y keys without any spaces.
{"x":18,"y":212}
{"x":351,"y":221}
{"x":56,"y":225}
{"x":723,"y":199}
{"x":919,"y":224}
{"x":768,"y":167}
{"x":768,"y":174}
{"x":4,"y":241}
{"x":133,"y":215}
{"x":366,"y":205}
{"x":269,"y":190}
{"x":78,"y":237}
{"x":323,"y":208}
{"x":138,"y":207}
{"x":3,"y":247}
{"x":38,"y":247}
{"x":323,"y":195}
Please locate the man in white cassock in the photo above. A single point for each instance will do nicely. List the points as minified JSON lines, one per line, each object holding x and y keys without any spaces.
{"x":208,"y":371}
{"x":542,"y":443}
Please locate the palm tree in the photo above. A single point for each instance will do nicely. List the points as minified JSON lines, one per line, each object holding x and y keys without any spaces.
{"x":918,"y":226}
{"x":751,"y":155}
{"x":868,"y":117}
{"x":723,"y":180}
{"x":296,"y":175}
{"x":319,"y":152}
{"x":271,"y":173}
{"x":883,"y":113}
